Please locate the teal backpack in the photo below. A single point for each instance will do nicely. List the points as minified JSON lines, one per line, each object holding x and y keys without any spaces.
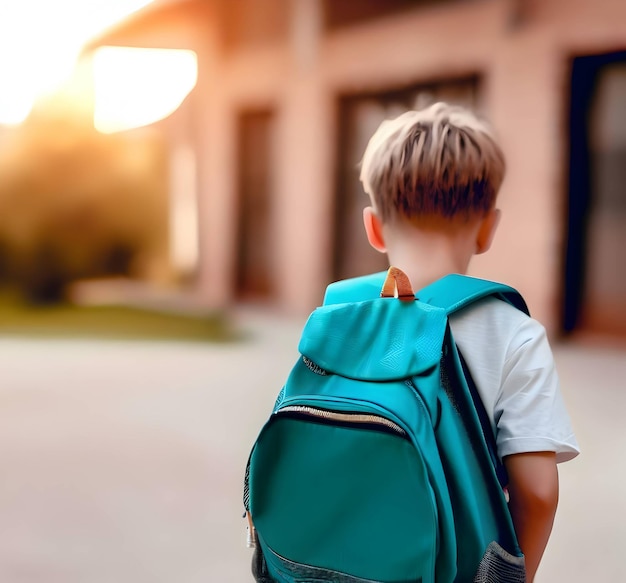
{"x":375,"y":465}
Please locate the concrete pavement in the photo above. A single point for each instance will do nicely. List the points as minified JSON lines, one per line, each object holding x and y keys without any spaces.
{"x":122,"y":462}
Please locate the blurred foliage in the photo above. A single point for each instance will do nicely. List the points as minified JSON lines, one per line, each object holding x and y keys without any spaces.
{"x":19,"y":318}
{"x":75,"y":203}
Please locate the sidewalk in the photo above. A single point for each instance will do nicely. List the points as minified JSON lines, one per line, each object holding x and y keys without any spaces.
{"x":122,"y":462}
{"x":590,"y":531}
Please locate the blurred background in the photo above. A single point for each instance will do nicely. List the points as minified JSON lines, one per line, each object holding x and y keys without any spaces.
{"x":178,"y":184}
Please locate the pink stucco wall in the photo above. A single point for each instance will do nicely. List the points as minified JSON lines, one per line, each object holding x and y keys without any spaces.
{"x":522,"y":52}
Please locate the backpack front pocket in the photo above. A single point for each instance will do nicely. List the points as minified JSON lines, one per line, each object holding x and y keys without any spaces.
{"x":355,"y":499}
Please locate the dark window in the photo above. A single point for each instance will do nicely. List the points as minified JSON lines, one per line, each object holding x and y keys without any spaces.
{"x":359,"y":116}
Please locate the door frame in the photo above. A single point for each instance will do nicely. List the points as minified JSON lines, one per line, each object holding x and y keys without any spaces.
{"x":585,"y":71}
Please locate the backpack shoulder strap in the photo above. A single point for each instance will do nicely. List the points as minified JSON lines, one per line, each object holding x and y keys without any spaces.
{"x":454,"y":292}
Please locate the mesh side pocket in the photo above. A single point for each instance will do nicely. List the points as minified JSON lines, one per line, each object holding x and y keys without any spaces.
{"x":259,"y":567}
{"x":498,"y":566}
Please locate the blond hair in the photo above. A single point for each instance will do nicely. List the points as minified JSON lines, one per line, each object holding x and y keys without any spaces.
{"x":441,"y":161}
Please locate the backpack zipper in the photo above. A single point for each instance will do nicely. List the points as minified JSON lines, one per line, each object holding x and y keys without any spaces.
{"x":362,"y":418}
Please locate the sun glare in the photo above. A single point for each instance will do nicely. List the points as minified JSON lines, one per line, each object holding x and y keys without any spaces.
{"x":135,"y":87}
{"x":40,"y":41}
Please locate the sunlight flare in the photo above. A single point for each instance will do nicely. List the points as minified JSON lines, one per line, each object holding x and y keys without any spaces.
{"x":135,"y":87}
{"x":40,"y":43}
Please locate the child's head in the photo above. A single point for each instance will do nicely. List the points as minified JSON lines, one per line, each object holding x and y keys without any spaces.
{"x":441,"y":162}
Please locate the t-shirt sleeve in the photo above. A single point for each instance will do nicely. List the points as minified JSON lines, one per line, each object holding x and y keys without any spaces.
{"x":529,"y":413}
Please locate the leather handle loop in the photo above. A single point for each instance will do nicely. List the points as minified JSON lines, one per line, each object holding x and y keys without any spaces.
{"x":397,"y":284}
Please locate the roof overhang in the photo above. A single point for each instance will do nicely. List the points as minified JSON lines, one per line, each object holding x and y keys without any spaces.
{"x":148,"y":26}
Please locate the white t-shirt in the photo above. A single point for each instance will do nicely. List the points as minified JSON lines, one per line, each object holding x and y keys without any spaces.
{"x":511,"y":362}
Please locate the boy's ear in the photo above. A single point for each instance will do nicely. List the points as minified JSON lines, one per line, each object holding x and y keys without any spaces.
{"x":487,"y":230}
{"x":374,"y":229}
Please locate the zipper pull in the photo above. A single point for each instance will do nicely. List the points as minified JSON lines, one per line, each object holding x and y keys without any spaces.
{"x":251,"y":537}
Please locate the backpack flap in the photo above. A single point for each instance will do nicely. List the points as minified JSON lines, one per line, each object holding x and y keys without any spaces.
{"x":378,"y":340}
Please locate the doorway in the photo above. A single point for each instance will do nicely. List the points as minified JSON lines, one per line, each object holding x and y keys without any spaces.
{"x":255,"y":256}
{"x":595,"y":266}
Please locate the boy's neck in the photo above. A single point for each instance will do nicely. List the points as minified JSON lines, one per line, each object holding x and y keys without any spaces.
{"x":426,"y":255}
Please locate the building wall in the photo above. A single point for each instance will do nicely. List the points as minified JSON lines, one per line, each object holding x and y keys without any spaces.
{"x":520,"y":48}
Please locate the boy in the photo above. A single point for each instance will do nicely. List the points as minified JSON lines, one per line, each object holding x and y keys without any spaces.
{"x":432,"y":177}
